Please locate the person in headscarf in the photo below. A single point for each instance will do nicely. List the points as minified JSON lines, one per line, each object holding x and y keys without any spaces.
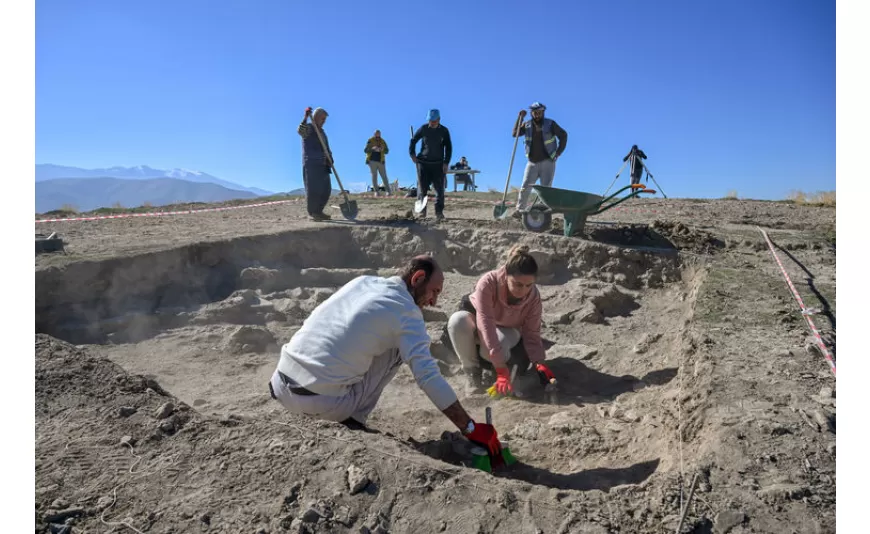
{"x":316,"y":163}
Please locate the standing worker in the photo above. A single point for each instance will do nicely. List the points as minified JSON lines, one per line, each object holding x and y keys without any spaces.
{"x":541,"y":150}
{"x":433,"y":159}
{"x":376,"y":158}
{"x":316,"y":165}
{"x":634,"y":156}
{"x":350,"y":347}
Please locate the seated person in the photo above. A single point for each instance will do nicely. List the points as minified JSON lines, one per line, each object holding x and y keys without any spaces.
{"x":461,"y":177}
{"x":500,"y":324}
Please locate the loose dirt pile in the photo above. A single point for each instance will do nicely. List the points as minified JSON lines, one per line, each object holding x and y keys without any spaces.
{"x":670,"y":366}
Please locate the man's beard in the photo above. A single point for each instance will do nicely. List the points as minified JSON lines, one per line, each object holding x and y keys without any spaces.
{"x":420,"y":295}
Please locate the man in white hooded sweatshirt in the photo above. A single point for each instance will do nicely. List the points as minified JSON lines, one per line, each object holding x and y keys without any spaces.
{"x":347,"y":351}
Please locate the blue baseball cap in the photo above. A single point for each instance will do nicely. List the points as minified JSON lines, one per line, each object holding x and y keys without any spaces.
{"x":433,"y":115}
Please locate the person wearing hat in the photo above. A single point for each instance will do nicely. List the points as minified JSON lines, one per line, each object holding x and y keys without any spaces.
{"x":376,"y":155}
{"x":542,"y":151}
{"x":433,"y":159}
{"x":316,"y":164}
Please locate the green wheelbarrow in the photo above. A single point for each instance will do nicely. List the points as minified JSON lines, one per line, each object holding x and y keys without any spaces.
{"x":575,"y":206}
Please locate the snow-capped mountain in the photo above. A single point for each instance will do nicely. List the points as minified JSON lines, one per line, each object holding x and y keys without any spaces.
{"x":48,"y":171}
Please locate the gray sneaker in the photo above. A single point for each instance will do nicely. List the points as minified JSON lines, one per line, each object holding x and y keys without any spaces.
{"x":473,"y":382}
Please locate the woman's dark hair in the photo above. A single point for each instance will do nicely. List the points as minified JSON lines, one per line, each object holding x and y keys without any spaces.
{"x":521,"y":262}
{"x":425,"y":263}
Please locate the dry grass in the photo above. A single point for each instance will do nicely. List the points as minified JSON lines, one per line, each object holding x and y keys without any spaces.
{"x":69,"y":208}
{"x":117,"y":205}
{"x":146,"y":205}
{"x":732,"y":195}
{"x":819,"y":198}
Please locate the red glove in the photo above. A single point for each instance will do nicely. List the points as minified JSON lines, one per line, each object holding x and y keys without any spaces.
{"x":503,"y":382}
{"x":544,"y":370}
{"x":485,"y":436}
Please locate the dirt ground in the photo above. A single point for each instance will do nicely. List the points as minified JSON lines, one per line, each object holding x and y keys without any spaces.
{"x":680,"y":352}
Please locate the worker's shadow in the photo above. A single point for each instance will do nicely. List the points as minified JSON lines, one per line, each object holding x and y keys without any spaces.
{"x":457,"y":452}
{"x":579,"y":384}
{"x":600,"y":478}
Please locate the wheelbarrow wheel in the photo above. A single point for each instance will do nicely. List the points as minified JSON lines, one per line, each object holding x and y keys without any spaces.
{"x":537,"y":219}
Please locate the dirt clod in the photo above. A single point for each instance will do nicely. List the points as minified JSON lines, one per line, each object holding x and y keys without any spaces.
{"x":164,"y":411}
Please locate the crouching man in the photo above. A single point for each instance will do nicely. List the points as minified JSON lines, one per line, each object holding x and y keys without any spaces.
{"x":350,"y":347}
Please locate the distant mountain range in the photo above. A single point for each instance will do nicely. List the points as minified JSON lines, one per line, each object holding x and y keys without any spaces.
{"x":86,"y":194}
{"x":47,"y":171}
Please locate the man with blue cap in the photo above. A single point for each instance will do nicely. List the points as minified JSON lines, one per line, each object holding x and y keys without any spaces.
{"x":433,"y":159}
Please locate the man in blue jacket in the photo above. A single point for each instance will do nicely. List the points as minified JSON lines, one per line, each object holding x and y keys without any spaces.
{"x":433,"y":159}
{"x":542,"y":151}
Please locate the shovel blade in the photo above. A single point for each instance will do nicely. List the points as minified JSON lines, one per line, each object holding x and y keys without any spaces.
{"x":499,"y":211}
{"x":349,"y":209}
{"x":420,"y":204}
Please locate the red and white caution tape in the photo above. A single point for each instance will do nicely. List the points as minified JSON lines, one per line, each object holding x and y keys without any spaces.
{"x":806,"y":312}
{"x":163,"y":213}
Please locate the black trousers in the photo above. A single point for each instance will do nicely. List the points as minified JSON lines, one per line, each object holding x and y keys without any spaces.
{"x":318,"y":186}
{"x":432,"y":175}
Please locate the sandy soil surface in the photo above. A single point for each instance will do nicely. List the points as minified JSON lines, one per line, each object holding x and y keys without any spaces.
{"x":680,"y":352}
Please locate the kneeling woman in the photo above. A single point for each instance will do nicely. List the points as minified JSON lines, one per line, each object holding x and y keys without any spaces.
{"x":504,"y":310}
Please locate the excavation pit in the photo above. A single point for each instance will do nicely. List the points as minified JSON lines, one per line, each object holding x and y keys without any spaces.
{"x":206,"y":322}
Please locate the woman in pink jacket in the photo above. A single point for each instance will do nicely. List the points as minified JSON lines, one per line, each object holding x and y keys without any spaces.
{"x":505,"y":308}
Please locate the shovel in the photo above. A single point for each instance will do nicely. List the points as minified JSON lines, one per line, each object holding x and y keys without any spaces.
{"x":349,"y":209}
{"x":500,"y":210}
{"x":420,"y":203}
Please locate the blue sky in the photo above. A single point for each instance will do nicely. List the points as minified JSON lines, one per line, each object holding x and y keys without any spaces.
{"x":721,"y":96}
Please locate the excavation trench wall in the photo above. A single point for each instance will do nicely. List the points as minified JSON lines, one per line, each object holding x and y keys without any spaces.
{"x":87,"y":302}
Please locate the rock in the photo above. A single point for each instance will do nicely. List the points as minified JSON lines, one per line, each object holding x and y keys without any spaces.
{"x":310,"y":515}
{"x":645,"y":342}
{"x":251,"y":339}
{"x":589,"y":314}
{"x":728,"y":519}
{"x":128,"y":441}
{"x":62,"y":515}
{"x":167,"y":426}
{"x":357,"y":479}
{"x":126,"y":411}
{"x":164,"y":411}
{"x":779,"y":493}
{"x":104,"y":502}
{"x":826,"y":393}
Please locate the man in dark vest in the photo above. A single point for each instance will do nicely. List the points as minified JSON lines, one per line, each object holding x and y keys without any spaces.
{"x":634,"y":156}
{"x":542,"y":151}
{"x":433,"y":159}
{"x":316,"y":166}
